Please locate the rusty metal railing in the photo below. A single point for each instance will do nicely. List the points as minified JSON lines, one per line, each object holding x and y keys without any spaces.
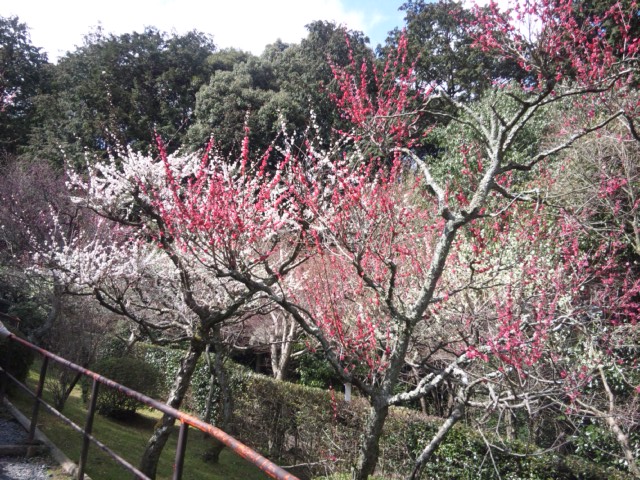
{"x":186,"y":420}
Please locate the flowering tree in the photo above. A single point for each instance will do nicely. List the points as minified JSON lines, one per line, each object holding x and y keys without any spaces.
{"x":355,"y":251}
{"x":601,"y":373}
{"x":555,"y":332}
{"x":36,"y":216}
{"x":369,"y":247}
{"x":385,"y":253}
{"x":134,"y":265}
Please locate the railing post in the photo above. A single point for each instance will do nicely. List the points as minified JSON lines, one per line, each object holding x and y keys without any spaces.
{"x":36,"y":404}
{"x":186,"y":420}
{"x":180,"y":449}
{"x":88,"y":426}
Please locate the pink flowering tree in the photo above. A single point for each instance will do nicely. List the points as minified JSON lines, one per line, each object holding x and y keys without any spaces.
{"x":599,"y":186}
{"x":374,"y":249}
{"x":382,"y":252}
{"x":598,"y":362}
{"x":36,"y":217}
{"x":554,"y":333}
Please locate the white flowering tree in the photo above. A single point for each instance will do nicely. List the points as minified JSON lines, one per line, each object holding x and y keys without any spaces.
{"x":132,"y":263}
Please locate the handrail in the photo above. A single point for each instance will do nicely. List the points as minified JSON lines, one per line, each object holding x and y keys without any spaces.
{"x":240,"y":449}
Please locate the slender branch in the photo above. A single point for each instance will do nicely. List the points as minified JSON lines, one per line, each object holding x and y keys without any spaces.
{"x":430,"y":382}
{"x":558,"y":148}
{"x":443,"y":208}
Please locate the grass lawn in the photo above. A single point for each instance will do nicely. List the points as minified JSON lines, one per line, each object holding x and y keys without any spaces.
{"x":128,"y":439}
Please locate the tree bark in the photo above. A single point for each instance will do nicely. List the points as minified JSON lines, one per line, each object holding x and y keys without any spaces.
{"x":40,"y":335}
{"x":157,"y":441}
{"x":623,"y":441}
{"x":456,"y":415}
{"x":208,"y":407}
{"x":61,"y":401}
{"x":370,"y":446}
{"x":612,"y":423}
{"x":284,"y":333}
{"x":225,"y":418}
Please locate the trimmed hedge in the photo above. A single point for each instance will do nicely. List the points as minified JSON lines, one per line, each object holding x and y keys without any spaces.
{"x":131,"y":372}
{"x":300,"y":425}
{"x":294,"y":424}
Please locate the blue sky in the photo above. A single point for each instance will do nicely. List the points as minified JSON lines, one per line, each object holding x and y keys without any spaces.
{"x":59,"y":25}
{"x":381,"y":16}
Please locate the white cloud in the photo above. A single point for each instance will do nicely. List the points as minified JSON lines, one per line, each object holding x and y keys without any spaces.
{"x":59,"y":26}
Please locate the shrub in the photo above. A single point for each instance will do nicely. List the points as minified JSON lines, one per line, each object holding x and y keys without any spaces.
{"x":315,"y":371}
{"x":316,"y":429}
{"x":15,"y":358}
{"x":131,"y":372}
{"x":598,"y":443}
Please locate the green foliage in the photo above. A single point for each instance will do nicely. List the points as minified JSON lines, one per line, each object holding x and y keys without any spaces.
{"x":23,"y":75}
{"x":223,"y":104}
{"x":120,"y":90}
{"x":299,"y":424}
{"x":439,"y":40}
{"x":284,"y":83}
{"x":457,"y":152}
{"x":598,"y":443}
{"x":296,"y":424}
{"x":226,"y":59}
{"x":315,"y":371}
{"x":29,"y":308}
{"x":304,"y":72}
{"x":465,"y":455}
{"x":131,"y":372}
{"x":167,"y":361}
{"x":112,"y":347}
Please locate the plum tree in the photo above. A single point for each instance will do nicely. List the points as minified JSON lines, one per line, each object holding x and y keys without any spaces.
{"x":369,"y":246}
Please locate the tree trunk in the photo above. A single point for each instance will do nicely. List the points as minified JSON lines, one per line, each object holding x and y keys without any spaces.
{"x":612,"y":423}
{"x":157,"y":441}
{"x":510,"y":422}
{"x":208,"y":407}
{"x":623,"y":441}
{"x":66,"y":389}
{"x":40,"y":335}
{"x":213,"y":454}
{"x":225,"y":418}
{"x":370,"y":446}
{"x":284,"y":333}
{"x":226,"y":395}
